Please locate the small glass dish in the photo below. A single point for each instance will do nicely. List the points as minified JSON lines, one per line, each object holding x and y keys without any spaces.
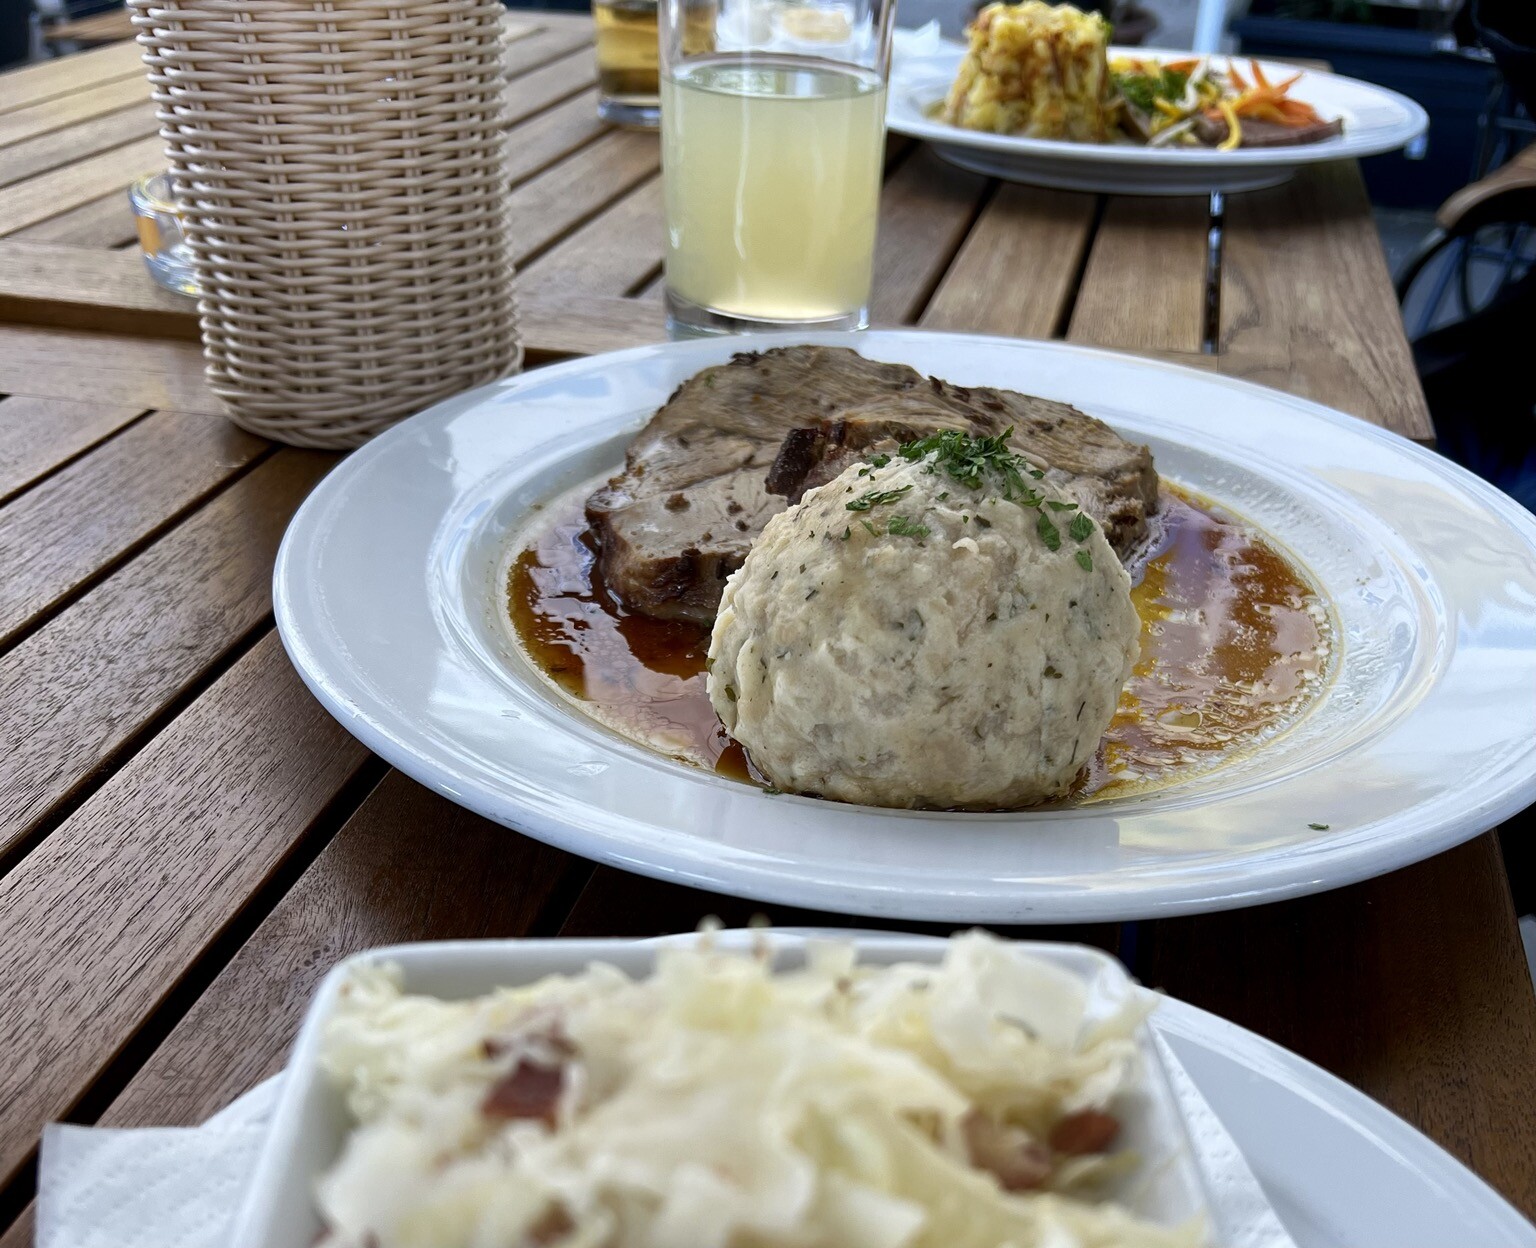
{"x":166,"y":254}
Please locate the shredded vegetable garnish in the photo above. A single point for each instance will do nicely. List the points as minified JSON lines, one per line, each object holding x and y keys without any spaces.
{"x":1167,"y":103}
{"x":718,"y":1104}
{"x":1234,"y":127}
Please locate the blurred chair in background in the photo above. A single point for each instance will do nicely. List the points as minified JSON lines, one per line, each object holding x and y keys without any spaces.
{"x":1478,"y":268}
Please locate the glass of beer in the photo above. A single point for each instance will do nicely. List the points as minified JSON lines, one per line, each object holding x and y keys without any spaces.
{"x":629,"y":56}
{"x":773,"y":142}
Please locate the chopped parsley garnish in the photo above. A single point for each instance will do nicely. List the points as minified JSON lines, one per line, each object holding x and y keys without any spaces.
{"x":873,"y":532}
{"x":1055,"y":506}
{"x":975,"y":462}
{"x":900,"y":526}
{"x":1049,"y":533}
{"x":1144,"y":90}
{"x":1081,"y":527}
{"x":847,"y":533}
{"x":1318,"y":827}
{"x":1084,"y":561}
{"x":876,"y":498}
{"x":879,"y":461}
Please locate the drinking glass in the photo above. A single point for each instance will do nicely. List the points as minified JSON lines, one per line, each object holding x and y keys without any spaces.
{"x":773,"y":139}
{"x":628,"y":56}
{"x":626,"y":61}
{"x":166,"y":254}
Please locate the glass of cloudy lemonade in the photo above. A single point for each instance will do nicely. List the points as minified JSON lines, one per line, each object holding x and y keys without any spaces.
{"x":773,"y":142}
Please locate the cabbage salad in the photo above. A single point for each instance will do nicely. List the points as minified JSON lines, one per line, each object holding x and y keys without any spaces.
{"x":718,"y":1104}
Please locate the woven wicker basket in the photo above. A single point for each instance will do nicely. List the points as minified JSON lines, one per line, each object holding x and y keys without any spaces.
{"x":339,"y":168}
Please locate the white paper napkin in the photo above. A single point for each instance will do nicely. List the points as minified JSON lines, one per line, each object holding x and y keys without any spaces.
{"x":154,"y":1187}
{"x":920,"y":49}
{"x":179,"y":1187}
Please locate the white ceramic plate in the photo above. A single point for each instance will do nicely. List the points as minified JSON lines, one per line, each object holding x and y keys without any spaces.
{"x":1341,"y":1171}
{"x":389,"y":596}
{"x":1375,"y":120}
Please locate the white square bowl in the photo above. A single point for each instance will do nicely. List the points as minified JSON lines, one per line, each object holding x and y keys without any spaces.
{"x":311,"y":1121}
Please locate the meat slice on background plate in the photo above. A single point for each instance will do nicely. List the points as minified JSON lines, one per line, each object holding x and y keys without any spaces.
{"x":738,"y":442}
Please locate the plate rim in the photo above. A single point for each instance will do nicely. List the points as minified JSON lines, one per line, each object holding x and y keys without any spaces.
{"x":767,"y":879}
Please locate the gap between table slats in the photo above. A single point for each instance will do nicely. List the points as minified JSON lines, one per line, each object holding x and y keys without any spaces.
{"x":1017,"y":269}
{"x":104,"y":918}
{"x":1144,"y":286}
{"x":99,"y":680}
{"x":65,"y":533}
{"x":39,"y":436}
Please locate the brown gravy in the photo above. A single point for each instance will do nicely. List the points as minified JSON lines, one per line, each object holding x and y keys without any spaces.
{"x":1234,"y":646}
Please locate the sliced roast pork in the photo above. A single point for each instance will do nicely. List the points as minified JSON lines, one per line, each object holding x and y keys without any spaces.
{"x":735,"y":443}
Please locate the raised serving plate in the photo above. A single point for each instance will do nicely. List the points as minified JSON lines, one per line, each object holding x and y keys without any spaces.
{"x":1376,"y":120}
{"x":390,"y":597}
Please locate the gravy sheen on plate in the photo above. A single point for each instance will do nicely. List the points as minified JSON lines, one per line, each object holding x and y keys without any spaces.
{"x":1235,"y":645}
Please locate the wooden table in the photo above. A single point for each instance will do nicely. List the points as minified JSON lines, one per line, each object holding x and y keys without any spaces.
{"x":188,"y":841}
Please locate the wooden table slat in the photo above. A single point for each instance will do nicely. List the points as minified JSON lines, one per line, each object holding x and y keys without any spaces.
{"x":46,"y":152}
{"x":108,"y":27}
{"x":102,"y":368}
{"x":55,"y":283}
{"x":563,"y":197}
{"x":615,"y":903}
{"x":382,"y":880}
{"x":537,"y":47}
{"x":536,"y":90}
{"x":557,"y":132}
{"x":1016,"y":273}
{"x":89,"y":681}
{"x":612,"y":253}
{"x":103,"y":918}
{"x":37,"y":435}
{"x":1144,"y":287}
{"x":925,"y":211}
{"x":106,"y":173}
{"x":48,"y":80}
{"x":556,"y":324}
{"x":76,"y":364}
{"x":98,"y":224}
{"x":1304,"y":280}
{"x":121,"y":97}
{"x":78,"y":522}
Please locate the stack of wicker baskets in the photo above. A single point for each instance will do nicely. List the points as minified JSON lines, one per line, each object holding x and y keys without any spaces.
{"x":340,"y":172}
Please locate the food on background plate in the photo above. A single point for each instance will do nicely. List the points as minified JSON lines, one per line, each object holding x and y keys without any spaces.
{"x":695,"y":490}
{"x":976,"y":1103}
{"x":1192,"y":103}
{"x":1043,"y":71}
{"x":1037,"y":70}
{"x":937,"y":627}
